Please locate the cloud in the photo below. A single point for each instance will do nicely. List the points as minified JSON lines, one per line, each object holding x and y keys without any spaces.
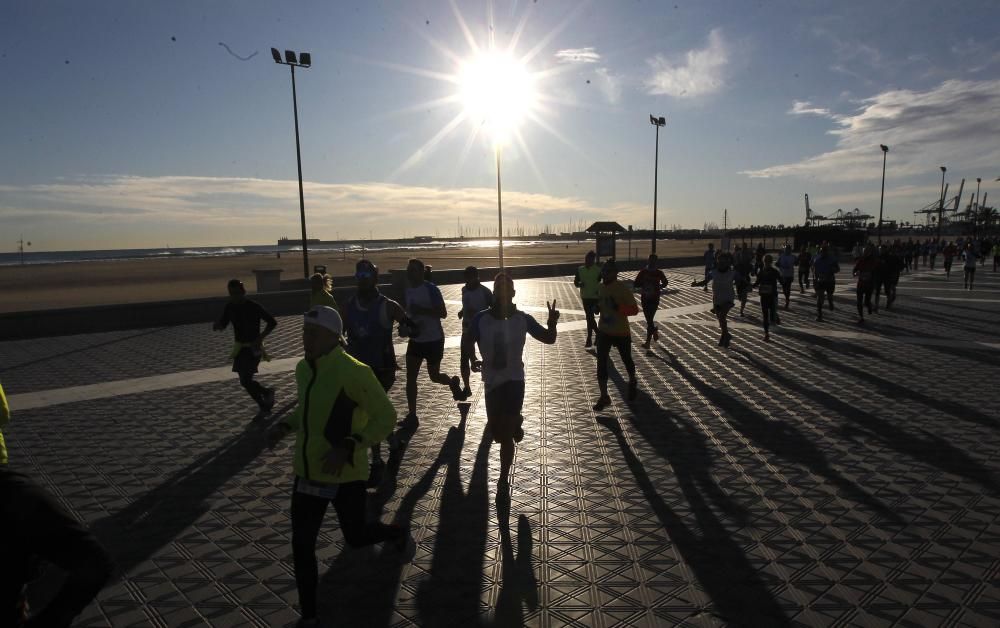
{"x":699,"y":74}
{"x":578,"y":55}
{"x":804,"y":107}
{"x":206,"y":203}
{"x":609,"y":84}
{"x":954,"y":124}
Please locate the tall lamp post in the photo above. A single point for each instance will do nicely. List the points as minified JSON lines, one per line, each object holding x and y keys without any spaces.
{"x":657,"y":122}
{"x":499,"y":210}
{"x":304,"y":61}
{"x":941,"y":202}
{"x":881,"y":202}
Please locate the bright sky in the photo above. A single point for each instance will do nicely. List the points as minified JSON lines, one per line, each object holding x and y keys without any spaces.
{"x":137,"y":124}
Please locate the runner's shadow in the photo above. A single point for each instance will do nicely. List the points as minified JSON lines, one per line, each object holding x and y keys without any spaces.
{"x":739,"y":595}
{"x":360,"y":588}
{"x":781,"y":439}
{"x":134,"y":533}
{"x":518,"y":587}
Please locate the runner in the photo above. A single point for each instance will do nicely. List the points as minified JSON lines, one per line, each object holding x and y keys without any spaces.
{"x":475,"y":298}
{"x":892,"y":267}
{"x":368,"y":320}
{"x":342,"y":410}
{"x":826,"y":268}
{"x":743,"y":267}
{"x":588,"y":279}
{"x":996,"y":254}
{"x":500,"y":332}
{"x":767,"y":288}
{"x":970,"y":265}
{"x":758,"y":259}
{"x":878,"y":278}
{"x":949,"y":254}
{"x":933,"y":252}
{"x":425,"y":306}
{"x":865,"y":270}
{"x":650,"y":281}
{"x":617,"y":304}
{"x":786,"y":266}
{"x":805,"y":264}
{"x":36,"y":526}
{"x":320,"y":286}
{"x":248,"y":348}
{"x":709,"y":262}
{"x":723,"y":280}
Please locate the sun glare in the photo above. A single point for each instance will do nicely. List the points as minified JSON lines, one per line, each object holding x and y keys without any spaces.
{"x":497,"y":92}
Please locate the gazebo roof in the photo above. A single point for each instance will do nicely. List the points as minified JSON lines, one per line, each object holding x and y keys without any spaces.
{"x":606,"y":227}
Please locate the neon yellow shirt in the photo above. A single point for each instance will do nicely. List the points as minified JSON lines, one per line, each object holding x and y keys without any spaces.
{"x":588,"y":280}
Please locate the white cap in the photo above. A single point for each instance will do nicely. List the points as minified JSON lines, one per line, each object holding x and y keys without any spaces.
{"x":325,"y":316}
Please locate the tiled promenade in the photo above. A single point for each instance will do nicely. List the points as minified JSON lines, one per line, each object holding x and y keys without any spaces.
{"x":840,"y":475}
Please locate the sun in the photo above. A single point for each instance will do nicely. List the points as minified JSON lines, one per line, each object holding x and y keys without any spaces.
{"x":497,"y":91}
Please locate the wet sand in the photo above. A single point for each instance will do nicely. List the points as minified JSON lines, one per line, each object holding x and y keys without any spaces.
{"x":50,"y":286}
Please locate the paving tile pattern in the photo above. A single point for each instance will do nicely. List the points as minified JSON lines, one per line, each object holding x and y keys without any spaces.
{"x":808,"y":481}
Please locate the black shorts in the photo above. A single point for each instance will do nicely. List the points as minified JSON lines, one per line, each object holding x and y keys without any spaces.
{"x":503,"y":409}
{"x":432,"y":351}
{"x":247,"y":360}
{"x":465,"y":353}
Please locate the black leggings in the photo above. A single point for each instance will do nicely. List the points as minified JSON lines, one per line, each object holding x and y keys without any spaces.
{"x":307,"y":517}
{"x":864,"y":297}
{"x":768,"y":305}
{"x":590,"y":308}
{"x":253,"y":387}
{"x":35,"y":525}
{"x":604,"y":344}
{"x":786,"y":287}
{"x":649,"y":307}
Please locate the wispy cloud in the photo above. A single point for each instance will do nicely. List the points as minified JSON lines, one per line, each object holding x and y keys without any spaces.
{"x":699,"y":73}
{"x":954,"y":123}
{"x":217,"y":202}
{"x":610,"y":85}
{"x":804,"y":107}
{"x":578,"y":55}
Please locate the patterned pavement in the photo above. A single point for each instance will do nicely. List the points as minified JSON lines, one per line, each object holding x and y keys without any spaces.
{"x":839,"y":475}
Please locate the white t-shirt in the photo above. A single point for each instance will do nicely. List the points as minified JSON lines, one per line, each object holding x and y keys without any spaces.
{"x":501,"y":342}
{"x":722,"y":286}
{"x":473,"y":302}
{"x":425,"y":295}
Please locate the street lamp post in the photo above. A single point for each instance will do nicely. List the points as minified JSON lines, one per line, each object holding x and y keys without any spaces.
{"x":941,"y":202}
{"x":304,"y":60}
{"x":657,"y":122}
{"x":881,"y":202}
{"x":499,"y":211}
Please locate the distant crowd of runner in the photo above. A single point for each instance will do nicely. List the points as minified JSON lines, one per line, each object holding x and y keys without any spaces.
{"x":343,"y":413}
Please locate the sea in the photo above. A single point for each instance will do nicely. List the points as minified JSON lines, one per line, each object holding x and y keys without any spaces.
{"x":120,"y":255}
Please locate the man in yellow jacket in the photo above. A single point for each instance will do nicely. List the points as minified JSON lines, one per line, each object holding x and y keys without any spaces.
{"x":34,"y":525}
{"x":342,"y":410}
{"x":617,"y":303}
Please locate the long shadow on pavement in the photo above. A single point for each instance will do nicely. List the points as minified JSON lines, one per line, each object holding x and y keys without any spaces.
{"x":932,"y":450}
{"x":737,"y":591}
{"x":781,"y":439}
{"x":893,"y":390}
{"x":361,"y":588}
{"x":134,"y":533}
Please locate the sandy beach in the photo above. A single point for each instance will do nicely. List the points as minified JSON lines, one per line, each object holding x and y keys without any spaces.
{"x":50,"y":286}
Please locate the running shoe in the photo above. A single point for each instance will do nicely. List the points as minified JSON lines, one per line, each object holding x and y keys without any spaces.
{"x":476,"y":366}
{"x":375,"y":473}
{"x":410,"y":420}
{"x":518,"y":434}
{"x":602,"y":403}
{"x":588,"y":344}
{"x":466,"y":392}
{"x":262,"y":414}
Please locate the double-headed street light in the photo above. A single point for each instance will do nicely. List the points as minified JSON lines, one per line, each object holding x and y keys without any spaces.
{"x":304,"y":60}
{"x":885,"y":151}
{"x":657,"y":122}
{"x":941,"y":202}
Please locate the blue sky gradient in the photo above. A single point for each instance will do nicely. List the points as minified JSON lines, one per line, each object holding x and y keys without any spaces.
{"x":128,"y":124}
